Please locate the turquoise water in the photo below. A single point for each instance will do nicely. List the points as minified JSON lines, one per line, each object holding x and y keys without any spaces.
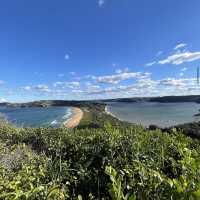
{"x":160,"y":114}
{"x":34,"y":117}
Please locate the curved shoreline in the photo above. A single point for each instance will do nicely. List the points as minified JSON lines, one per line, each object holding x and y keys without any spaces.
{"x":74,"y":120}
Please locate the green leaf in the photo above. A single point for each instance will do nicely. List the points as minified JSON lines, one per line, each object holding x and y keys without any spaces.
{"x":197,"y":193}
{"x":132,"y":197}
{"x":80,"y":197}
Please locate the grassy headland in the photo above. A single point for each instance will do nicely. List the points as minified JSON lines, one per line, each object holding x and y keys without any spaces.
{"x":103,"y":158}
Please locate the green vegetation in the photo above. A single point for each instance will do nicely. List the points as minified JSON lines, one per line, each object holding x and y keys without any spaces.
{"x":96,"y":117}
{"x":190,"y":129}
{"x":105,"y":159}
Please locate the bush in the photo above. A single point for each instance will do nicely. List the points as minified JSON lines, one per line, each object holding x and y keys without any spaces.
{"x":112,"y":162}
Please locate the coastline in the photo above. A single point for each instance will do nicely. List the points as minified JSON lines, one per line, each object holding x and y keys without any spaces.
{"x":109,"y":113}
{"x":75,"y":118}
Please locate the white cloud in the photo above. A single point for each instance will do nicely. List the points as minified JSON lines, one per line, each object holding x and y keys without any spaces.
{"x":42,"y":88}
{"x":106,"y":90}
{"x":1,"y":82}
{"x":181,"y":74}
{"x":146,"y":83}
{"x":118,"y":71}
{"x":180,"y":58}
{"x":27,"y":88}
{"x":173,"y":82}
{"x":88,"y":83}
{"x":132,"y":89}
{"x":70,"y":85}
{"x":2,"y":100}
{"x":89,"y":76}
{"x":194,"y":88}
{"x":159,"y":53}
{"x":77,"y":91}
{"x":114,"y":79}
{"x":184,"y":69}
{"x":149,"y":87}
{"x":101,"y":3}
{"x":179,"y":46}
{"x":150,"y":64}
{"x":93,"y":87}
{"x":67,"y":57}
{"x":58,"y":83}
{"x":72,"y":73}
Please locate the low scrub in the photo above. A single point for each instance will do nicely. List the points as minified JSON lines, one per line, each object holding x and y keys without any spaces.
{"x":111,"y":162}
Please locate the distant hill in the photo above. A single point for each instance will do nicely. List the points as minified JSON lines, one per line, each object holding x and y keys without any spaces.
{"x":3,"y":104}
{"x":47,"y":103}
{"x":165,"y":99}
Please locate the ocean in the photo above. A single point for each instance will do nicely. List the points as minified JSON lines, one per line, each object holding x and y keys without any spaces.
{"x":36,"y":117}
{"x":153,"y":113}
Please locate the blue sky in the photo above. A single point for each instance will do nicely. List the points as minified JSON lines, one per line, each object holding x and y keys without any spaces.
{"x":91,"y":49}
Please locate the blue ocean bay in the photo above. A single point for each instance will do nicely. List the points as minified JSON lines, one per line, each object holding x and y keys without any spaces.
{"x":160,"y":114}
{"x":35,"y":116}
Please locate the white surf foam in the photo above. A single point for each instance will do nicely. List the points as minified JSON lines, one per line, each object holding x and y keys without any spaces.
{"x":55,"y":122}
{"x":67,"y":114}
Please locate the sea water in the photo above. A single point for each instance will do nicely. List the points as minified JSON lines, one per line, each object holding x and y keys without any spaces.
{"x":36,"y":116}
{"x":160,"y":114}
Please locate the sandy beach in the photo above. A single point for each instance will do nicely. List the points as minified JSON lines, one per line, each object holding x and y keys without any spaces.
{"x":75,"y":119}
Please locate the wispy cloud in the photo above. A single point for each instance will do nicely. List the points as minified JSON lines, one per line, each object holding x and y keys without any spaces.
{"x":101,"y":3}
{"x":27,"y":88}
{"x":67,"y":57}
{"x":181,"y":74}
{"x":150,"y":64}
{"x":133,"y":89}
{"x":116,"y":78}
{"x":58,"y":83}
{"x":72,"y":73}
{"x":179,"y":46}
{"x":184,"y":69}
{"x":42,"y":88}
{"x":159,"y":53}
{"x":1,"y":82}
{"x":118,"y":71}
{"x":77,"y":91}
{"x":173,"y":82}
{"x":71,"y":85}
{"x":124,"y":70}
{"x":109,"y":90}
{"x":93,"y":89}
{"x":143,"y":86}
{"x":179,"y":58}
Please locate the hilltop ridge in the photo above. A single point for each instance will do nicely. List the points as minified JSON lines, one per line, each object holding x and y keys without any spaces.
{"x":80,"y":103}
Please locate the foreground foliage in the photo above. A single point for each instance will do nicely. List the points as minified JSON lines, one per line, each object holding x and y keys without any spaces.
{"x":119,"y":163}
